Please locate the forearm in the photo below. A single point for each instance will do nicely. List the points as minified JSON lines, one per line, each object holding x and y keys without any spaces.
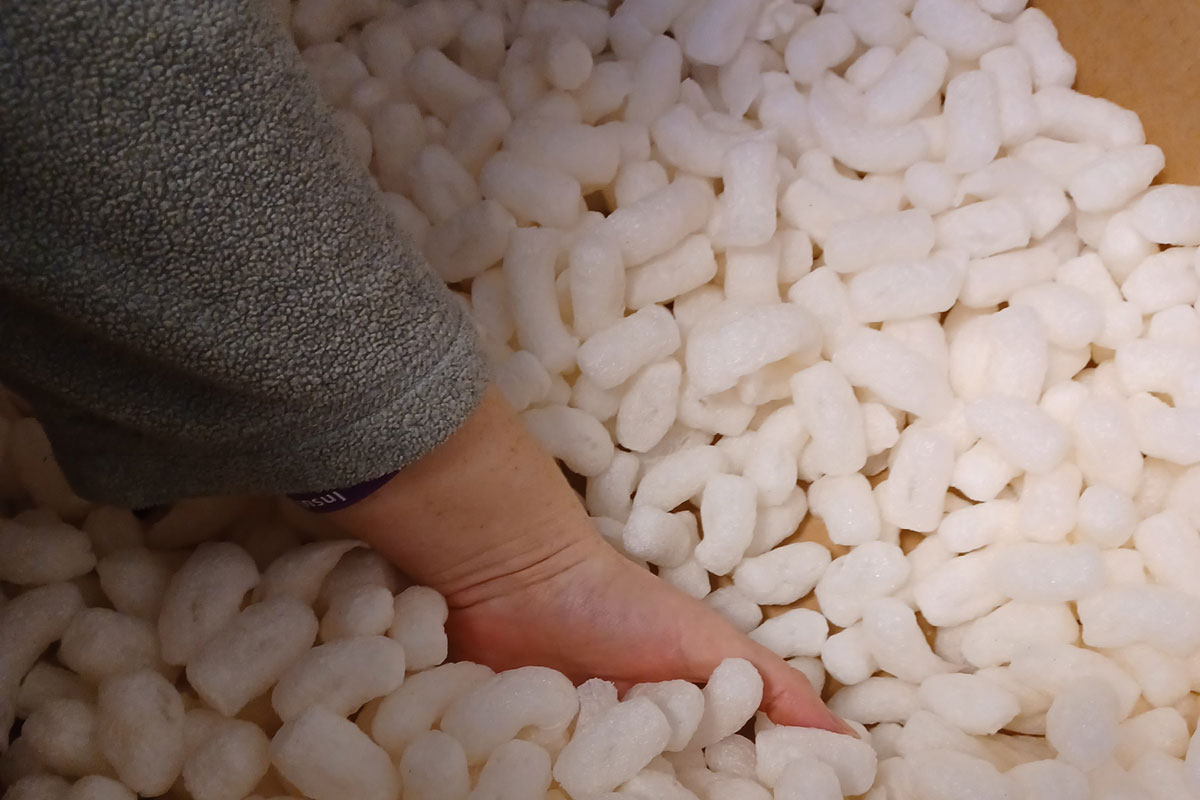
{"x":486,"y":505}
{"x":200,"y":291}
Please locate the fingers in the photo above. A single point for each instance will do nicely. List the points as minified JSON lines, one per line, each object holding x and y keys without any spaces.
{"x":789,"y":699}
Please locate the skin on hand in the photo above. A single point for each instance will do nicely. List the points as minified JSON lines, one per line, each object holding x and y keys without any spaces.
{"x":489,"y":520}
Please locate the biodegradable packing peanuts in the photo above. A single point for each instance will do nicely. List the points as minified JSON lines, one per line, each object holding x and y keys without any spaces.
{"x":733,"y":261}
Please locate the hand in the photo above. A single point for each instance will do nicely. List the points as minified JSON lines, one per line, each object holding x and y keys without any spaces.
{"x":489,"y":520}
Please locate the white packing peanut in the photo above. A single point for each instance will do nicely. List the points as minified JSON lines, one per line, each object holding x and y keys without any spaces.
{"x":961,"y":27}
{"x":1169,"y":215}
{"x":649,"y":405}
{"x":657,"y":536}
{"x":1035,"y":572}
{"x":958,"y":590}
{"x":775,"y":523}
{"x":914,"y":493}
{"x":733,"y":755}
{"x":1074,"y":117}
{"x":328,"y":757}
{"x":984,"y":228}
{"x":688,"y":266}
{"x":845,"y":134}
{"x":659,"y":221}
{"x":979,"y":525}
{"x":433,"y":767}
{"x":981,"y":473}
{"x":1082,"y":723}
{"x":340,"y":675}
{"x":853,"y":760}
{"x":494,"y":711}
{"x":636,"y":180}
{"x":1110,"y":182}
{"x":739,"y":81}
{"x":575,"y":437}
{"x":689,"y":144}
{"x":1106,"y":516}
{"x":202,"y":597}
{"x":1071,"y":318}
{"x":752,"y":274}
{"x":737,"y":609}
{"x":994,"y":279}
{"x":248,"y":655}
{"x":515,"y":769}
{"x":899,"y":376}
{"x":973,"y":123}
{"x":589,"y":154}
{"x":796,"y":632}
{"x":477,"y":130}
{"x":731,"y":696}
{"x":1037,"y":38}
{"x":833,"y":418}
{"x":440,"y":85}
{"x":1024,"y":434}
{"x":420,"y":702}
{"x":897,"y":644}
{"x":522,"y":380}
{"x":32,"y":556}
{"x":878,"y":22}
{"x":531,"y":191}
{"x":364,"y":610}
{"x":468,"y":242}
{"x":140,"y":730}
{"x":631,"y":733}
{"x":736,"y":340}
{"x":1013,"y":77}
{"x":875,"y":700}
{"x":818,"y":45}
{"x":100,"y":643}
{"x":681,"y":702}
{"x":783,"y":575}
{"x":846,"y":504}
{"x":1048,"y":501}
{"x":913,"y":80}
{"x":567,"y":61}
{"x":930,"y":187}
{"x":715,"y":30}
{"x":727,"y":517}
{"x":973,"y":703}
{"x":63,"y":735}
{"x":939,"y":773}
{"x":1165,"y":618}
{"x":745,"y":214}
{"x":440,"y":186}
{"x":998,"y":637}
{"x":1163,"y":280}
{"x":847,"y":658}
{"x":1171,"y":548}
{"x":867,"y":572}
{"x":857,"y":244}
{"x":229,"y":764}
{"x":656,"y":76}
{"x":31,"y":622}
{"x":615,"y":354}
{"x":529,"y":268}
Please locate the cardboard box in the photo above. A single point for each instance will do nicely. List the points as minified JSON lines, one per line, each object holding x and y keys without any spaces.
{"x":1143,"y":55}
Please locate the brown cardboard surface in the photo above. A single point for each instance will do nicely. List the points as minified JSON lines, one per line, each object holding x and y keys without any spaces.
{"x":1143,"y":55}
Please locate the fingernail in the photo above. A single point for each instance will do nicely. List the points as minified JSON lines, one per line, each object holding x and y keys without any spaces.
{"x":839,"y":725}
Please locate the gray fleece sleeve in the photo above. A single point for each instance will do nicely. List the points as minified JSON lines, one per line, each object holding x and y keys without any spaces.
{"x":200,"y":292}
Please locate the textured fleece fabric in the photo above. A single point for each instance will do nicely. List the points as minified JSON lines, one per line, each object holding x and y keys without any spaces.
{"x":200,"y":291}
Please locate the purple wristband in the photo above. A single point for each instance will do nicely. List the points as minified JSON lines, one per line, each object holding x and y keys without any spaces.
{"x":337,"y":499}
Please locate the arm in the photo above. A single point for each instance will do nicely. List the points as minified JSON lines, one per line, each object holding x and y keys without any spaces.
{"x":200,"y":292}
